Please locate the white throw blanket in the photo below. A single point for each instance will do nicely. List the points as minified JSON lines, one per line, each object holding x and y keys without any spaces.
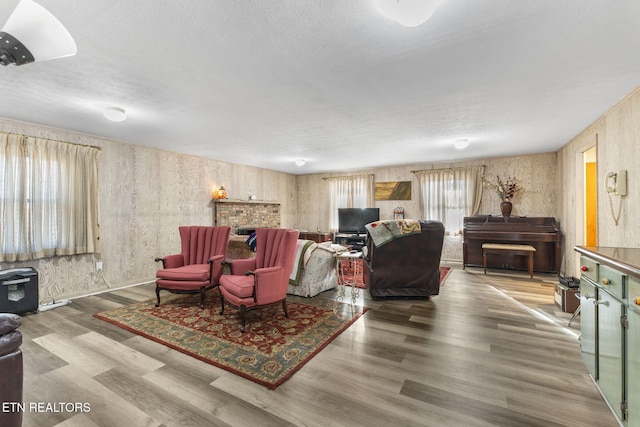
{"x":304,"y":248}
{"x":382,"y":232}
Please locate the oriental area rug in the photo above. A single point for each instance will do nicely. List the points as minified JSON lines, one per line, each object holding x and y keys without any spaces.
{"x":444,"y":273}
{"x":270,"y":351}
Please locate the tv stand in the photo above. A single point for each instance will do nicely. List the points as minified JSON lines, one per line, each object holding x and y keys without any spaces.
{"x":358,"y":241}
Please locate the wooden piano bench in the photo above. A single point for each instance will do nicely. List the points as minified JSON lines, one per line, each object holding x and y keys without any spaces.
{"x":502,"y":249}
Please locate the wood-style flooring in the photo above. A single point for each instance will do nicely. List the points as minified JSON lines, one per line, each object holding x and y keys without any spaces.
{"x":490,"y":350}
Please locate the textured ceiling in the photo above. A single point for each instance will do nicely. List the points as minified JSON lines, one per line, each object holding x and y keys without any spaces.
{"x":264,"y":82}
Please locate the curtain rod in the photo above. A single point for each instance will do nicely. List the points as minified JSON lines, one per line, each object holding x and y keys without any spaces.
{"x":448,"y":169}
{"x":55,"y":140}
{"x":346,"y":176}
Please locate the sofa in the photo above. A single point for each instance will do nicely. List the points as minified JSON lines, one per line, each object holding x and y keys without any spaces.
{"x":11,"y":375}
{"x":402,"y":258}
{"x":314,"y":270}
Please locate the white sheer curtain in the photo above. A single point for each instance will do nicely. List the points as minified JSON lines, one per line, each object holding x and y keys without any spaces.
{"x":448,"y":195}
{"x":48,"y":198}
{"x":349,"y":192}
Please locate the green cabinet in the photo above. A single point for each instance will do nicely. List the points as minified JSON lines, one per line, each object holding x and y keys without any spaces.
{"x":633,"y":367}
{"x":633,"y":351}
{"x":588,"y":322}
{"x":610,"y":326}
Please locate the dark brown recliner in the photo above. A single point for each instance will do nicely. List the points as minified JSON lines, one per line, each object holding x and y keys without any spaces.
{"x":406,"y":266}
{"x":10,"y":370}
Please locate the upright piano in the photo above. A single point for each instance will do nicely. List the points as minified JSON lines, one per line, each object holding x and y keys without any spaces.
{"x":542,"y":233}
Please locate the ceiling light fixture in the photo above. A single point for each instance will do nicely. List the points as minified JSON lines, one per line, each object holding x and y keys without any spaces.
{"x":115,"y":114}
{"x":409,"y":13}
{"x":33,"y":34}
{"x":461,"y":144}
{"x":301,"y":162}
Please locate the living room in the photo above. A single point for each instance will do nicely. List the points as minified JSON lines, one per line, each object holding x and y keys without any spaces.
{"x":144,"y":201}
{"x":145,"y":193}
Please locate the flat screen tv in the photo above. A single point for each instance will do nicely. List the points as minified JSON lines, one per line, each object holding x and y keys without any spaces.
{"x":353,"y":220}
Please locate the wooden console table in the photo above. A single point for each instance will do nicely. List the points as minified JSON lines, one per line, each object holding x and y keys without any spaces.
{"x":317,"y":237}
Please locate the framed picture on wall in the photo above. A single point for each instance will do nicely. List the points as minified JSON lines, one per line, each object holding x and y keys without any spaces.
{"x":394,"y":190}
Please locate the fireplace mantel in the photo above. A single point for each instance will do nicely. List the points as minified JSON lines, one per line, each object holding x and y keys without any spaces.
{"x":246,"y":202}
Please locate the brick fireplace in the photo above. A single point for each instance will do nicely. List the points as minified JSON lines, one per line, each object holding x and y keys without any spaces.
{"x":241,"y":214}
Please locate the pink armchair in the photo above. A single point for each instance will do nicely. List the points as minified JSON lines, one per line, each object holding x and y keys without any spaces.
{"x":199,"y":266}
{"x":263,"y":280}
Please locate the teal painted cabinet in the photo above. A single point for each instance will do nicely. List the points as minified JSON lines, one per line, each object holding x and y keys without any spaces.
{"x":610,"y":326}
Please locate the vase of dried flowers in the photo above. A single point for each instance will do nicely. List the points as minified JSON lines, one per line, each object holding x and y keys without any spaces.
{"x":505,"y":208}
{"x":506,"y":189}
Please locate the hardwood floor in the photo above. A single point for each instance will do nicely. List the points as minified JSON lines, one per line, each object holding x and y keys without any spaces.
{"x":478,"y":354}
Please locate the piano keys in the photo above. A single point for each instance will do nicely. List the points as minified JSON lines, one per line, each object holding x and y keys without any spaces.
{"x":542,"y":233}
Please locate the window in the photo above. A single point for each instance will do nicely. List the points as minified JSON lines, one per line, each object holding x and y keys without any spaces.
{"x":48,"y":198}
{"x":448,"y":195}
{"x":349,"y":192}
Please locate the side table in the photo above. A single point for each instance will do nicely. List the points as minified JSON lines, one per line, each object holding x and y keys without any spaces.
{"x":318,"y":237}
{"x":348,"y":260}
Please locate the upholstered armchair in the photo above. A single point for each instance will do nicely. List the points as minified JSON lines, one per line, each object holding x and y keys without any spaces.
{"x":199,"y":266}
{"x":263,"y":280}
{"x":11,"y":368}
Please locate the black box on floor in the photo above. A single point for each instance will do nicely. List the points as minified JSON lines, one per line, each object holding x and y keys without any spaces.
{"x":565,"y":298}
{"x":19,"y":290}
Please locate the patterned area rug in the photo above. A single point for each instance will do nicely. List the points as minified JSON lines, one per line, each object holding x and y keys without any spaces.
{"x":348,"y":273}
{"x":271,"y":350}
{"x":444,"y":273}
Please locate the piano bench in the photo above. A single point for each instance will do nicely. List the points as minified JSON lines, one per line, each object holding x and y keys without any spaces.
{"x":501,"y":249}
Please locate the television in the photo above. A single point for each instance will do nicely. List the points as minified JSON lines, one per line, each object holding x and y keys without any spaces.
{"x":353,"y":220}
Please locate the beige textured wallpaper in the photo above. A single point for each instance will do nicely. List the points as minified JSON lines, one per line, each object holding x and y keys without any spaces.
{"x":617,"y":135}
{"x":537,"y":174}
{"x":145,"y":194}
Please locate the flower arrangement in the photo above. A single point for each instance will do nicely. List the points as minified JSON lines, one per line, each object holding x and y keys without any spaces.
{"x":506,"y":189}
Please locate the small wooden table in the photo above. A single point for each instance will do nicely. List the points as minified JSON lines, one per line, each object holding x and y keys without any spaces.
{"x":501,"y":249}
{"x":350,"y":258}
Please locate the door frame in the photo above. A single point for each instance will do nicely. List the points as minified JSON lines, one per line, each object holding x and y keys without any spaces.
{"x":580,"y":189}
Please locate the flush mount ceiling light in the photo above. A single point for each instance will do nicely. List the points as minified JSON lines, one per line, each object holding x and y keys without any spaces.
{"x":301,"y":162}
{"x":409,"y":13}
{"x":33,"y":34}
{"x":461,"y":144}
{"x":115,"y":114}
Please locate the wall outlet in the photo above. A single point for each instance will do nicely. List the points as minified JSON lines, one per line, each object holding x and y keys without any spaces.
{"x":99,"y":265}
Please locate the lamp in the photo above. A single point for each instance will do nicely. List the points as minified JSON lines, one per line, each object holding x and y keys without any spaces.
{"x":301,"y":162}
{"x":33,"y":34}
{"x":461,"y":144}
{"x":115,"y":114}
{"x":409,"y":13}
{"x":220,"y":193}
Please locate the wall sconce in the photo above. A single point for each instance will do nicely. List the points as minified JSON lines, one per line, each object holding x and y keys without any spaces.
{"x":33,"y":34}
{"x":220,"y":193}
